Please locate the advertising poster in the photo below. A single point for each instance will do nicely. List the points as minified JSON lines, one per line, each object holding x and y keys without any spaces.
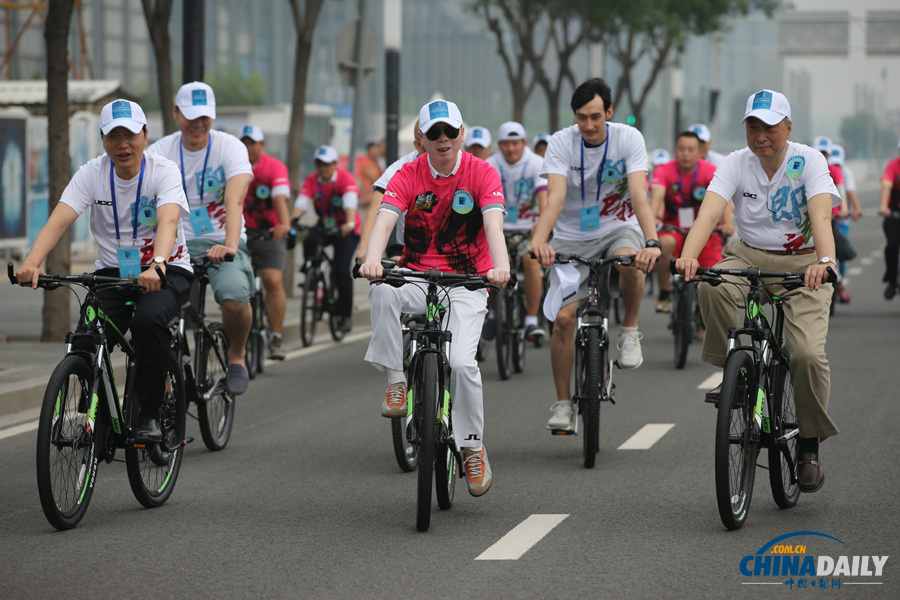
{"x":13,"y":190}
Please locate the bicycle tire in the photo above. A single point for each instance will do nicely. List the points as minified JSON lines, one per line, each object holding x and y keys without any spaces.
{"x":261,"y":343}
{"x":251,"y":348}
{"x":309,"y":307}
{"x":406,"y":454}
{"x":67,"y":452}
{"x":503,"y":339}
{"x":517,"y":318}
{"x":736,"y":448}
{"x":153,"y":470}
{"x":446,"y":472}
{"x":334,"y":319}
{"x":216,"y":415}
{"x":425,"y":397}
{"x":683,"y":324}
{"x":589,"y":396}
{"x":784,"y":491}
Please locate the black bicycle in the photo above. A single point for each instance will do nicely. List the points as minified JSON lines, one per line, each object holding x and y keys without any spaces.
{"x":756,"y":407}
{"x":83,"y":420}
{"x":429,"y":426}
{"x":593,"y":367}
{"x":509,"y":315}
{"x":257,"y":340}
{"x":205,"y":381}
{"x":319,"y":286}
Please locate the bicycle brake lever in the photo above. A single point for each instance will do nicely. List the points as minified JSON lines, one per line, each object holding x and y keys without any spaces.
{"x":11,"y":273}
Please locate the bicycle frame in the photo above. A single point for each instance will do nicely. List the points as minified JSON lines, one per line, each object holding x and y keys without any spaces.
{"x":201,"y":334}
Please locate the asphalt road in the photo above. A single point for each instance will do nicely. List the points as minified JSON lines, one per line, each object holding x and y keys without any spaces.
{"x":307,"y":500}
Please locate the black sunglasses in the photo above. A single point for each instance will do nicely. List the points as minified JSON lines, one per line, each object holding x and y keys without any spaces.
{"x":441,"y":128}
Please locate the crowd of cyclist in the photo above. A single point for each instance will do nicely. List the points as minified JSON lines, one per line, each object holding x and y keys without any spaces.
{"x":446,"y":205}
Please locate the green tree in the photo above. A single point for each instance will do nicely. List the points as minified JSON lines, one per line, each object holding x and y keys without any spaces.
{"x":157,"y":14}
{"x":233,"y":88}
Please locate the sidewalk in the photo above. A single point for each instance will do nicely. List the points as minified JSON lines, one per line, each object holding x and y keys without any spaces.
{"x":26,"y":363}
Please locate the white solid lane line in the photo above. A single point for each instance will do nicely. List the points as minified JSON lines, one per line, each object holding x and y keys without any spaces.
{"x":522,"y":537}
{"x":711,"y":381}
{"x":23,"y":428}
{"x":647,"y":436}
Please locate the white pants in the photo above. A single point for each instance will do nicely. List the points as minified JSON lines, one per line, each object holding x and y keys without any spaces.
{"x":464,"y":319}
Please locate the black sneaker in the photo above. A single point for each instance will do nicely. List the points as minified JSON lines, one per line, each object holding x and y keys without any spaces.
{"x":890,"y":291}
{"x":489,"y":330}
{"x":345,"y":324}
{"x":148,"y":432}
{"x":534,"y":332}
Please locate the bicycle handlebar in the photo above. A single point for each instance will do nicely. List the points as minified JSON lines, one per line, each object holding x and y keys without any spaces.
{"x":713,"y":275}
{"x":51,"y":282}
{"x":397,"y":275}
{"x":625,"y":260}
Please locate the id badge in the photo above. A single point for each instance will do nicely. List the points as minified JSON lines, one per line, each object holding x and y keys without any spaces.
{"x":512,"y":214}
{"x":200,"y":221}
{"x":329,"y":223}
{"x":590,"y":218}
{"x":685,"y":217}
{"x":129,"y":262}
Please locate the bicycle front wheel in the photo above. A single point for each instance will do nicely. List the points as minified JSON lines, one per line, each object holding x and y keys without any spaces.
{"x":503,"y":339}
{"x":785,"y":430}
{"x":310,"y":303}
{"x":253,"y":348}
{"x":737,"y":447}
{"x":517,"y":321}
{"x":425,"y":396}
{"x":682,"y":326}
{"x":68,"y":444}
{"x":153,"y":469}
{"x":215,"y":410}
{"x":589,"y":401}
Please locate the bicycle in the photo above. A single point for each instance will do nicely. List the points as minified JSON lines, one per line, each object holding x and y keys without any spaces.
{"x":429,"y":427}
{"x":593,"y":367}
{"x":319,"y":288}
{"x":205,"y":383}
{"x":255,"y":350}
{"x":83,"y":420}
{"x":756,"y":407}
{"x":509,"y":316}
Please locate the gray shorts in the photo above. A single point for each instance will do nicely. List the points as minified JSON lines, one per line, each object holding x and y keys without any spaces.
{"x":229,"y":280}
{"x":266,"y":253}
{"x":623,"y":237}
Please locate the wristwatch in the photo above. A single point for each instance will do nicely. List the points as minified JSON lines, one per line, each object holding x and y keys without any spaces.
{"x":827,"y":259}
{"x":159,"y":260}
{"x":653,"y":244}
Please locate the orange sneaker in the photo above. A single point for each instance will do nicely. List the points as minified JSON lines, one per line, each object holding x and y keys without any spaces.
{"x":394,"y":401}
{"x":478,"y":471}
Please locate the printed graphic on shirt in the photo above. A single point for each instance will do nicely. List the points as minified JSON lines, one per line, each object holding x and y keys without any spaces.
{"x":612,"y":205}
{"x":787,"y":204}
{"x":146,"y":212}
{"x":457,"y":232}
{"x":212,"y":186}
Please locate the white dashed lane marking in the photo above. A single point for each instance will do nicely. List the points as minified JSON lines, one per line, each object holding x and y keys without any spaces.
{"x":522,"y":537}
{"x":711,"y":381}
{"x":647,"y":436}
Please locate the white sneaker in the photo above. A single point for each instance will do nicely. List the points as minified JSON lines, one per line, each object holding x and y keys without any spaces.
{"x":630,"y":356}
{"x":562,"y":415}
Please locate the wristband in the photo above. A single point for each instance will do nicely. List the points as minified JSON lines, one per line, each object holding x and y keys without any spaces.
{"x":653,"y":244}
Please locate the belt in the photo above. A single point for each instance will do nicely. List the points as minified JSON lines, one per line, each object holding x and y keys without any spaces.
{"x":800,"y":252}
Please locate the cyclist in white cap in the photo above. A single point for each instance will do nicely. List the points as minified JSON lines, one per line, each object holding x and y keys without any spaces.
{"x":705,"y":136}
{"x":478,"y":142}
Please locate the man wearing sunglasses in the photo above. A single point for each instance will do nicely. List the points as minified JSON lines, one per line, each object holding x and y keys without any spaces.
{"x":454,"y":222}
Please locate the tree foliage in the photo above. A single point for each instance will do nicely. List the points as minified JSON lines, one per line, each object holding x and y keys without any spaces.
{"x":233,"y":88}
{"x":157,"y":13}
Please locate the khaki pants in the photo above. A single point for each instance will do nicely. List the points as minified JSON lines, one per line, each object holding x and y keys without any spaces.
{"x":806,"y":325}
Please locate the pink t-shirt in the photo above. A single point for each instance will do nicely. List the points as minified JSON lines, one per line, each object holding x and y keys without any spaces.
{"x":683,"y":191}
{"x":327,"y":197}
{"x":270,"y":178}
{"x":892,"y":176}
{"x":838,"y":176}
{"x":444,"y":223}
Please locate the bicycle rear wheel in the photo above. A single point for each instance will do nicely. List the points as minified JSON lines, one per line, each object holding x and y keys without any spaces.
{"x":334,"y":319}
{"x":782,"y":472}
{"x":517,"y":319}
{"x":446,"y":472}
{"x":153,"y":469}
{"x":68,"y":447}
{"x":503,"y":341}
{"x":425,"y":395}
{"x":737,"y":447}
{"x":589,"y":395}
{"x":310,"y":306}
{"x":215,"y":412}
{"x":253,"y":348}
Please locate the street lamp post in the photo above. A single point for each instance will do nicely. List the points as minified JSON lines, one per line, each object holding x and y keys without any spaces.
{"x":393,"y":40}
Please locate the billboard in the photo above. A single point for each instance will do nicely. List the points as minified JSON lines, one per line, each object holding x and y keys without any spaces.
{"x":13,"y":190}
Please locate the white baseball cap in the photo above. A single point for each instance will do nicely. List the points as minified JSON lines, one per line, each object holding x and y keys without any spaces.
{"x":541,"y":137}
{"x":511,"y":130}
{"x":768,"y":106}
{"x":478,"y":136}
{"x":253,"y":132}
{"x":439,"y":111}
{"x":195,"y":100}
{"x":822,"y":143}
{"x":837,"y":154}
{"x":122,"y":113}
{"x":325,"y":154}
{"x":702,"y":132}
{"x":660,"y":156}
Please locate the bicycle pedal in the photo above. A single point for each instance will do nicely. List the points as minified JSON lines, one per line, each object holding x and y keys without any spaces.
{"x":562,"y":431}
{"x":187,"y":441}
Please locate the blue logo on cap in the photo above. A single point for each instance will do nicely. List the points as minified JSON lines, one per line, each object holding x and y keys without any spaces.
{"x":477,"y":134}
{"x":198,"y":97}
{"x":322,"y":151}
{"x":121,"y":109}
{"x":762,"y":100}
{"x":438,"y":109}
{"x":248,"y":130}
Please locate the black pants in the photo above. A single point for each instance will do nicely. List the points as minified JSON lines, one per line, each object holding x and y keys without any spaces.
{"x":344,"y":250}
{"x":892,"y":250}
{"x":148,"y":319}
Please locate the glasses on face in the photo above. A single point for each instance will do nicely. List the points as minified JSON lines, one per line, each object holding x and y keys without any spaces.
{"x":439,"y":129}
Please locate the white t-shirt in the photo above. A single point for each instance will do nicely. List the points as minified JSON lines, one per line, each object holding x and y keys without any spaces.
{"x":849,"y":180}
{"x":161,"y":185}
{"x":381,"y":183}
{"x":627,"y":154}
{"x":715,"y":158}
{"x":521,"y":183}
{"x":227,"y":158}
{"x":773,"y":215}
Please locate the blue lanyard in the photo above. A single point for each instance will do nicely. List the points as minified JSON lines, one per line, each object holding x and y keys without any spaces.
{"x":599,"y":171}
{"x":203,"y":175}
{"x":524,"y":169}
{"x":137,"y":202}
{"x":681,"y":186}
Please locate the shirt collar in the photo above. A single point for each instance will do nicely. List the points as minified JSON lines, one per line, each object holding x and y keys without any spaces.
{"x":436,"y":175}
{"x":332,"y":180}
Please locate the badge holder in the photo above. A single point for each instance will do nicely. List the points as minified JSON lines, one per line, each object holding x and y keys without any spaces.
{"x":685,"y":217}
{"x":129,"y":262}
{"x":200,"y":221}
{"x":590,"y":218}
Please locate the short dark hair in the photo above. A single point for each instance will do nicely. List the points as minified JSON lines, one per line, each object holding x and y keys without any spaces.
{"x":689,"y":134}
{"x":585,"y":92}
